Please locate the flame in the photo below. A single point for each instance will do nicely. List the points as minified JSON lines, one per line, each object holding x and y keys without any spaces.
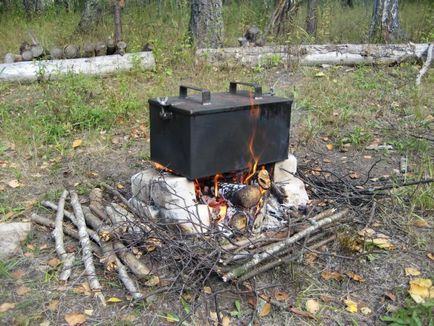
{"x":197,"y":189}
{"x":161,"y":167}
{"x":255,"y":112}
{"x":216,"y":184}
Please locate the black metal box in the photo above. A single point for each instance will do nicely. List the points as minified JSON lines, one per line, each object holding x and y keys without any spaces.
{"x":205,"y":134}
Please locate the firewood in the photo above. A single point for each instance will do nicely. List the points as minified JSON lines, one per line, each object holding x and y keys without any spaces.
{"x":56,"y":53}
{"x":66,"y":230}
{"x":24,"y":47}
{"x":104,"y":231}
{"x":9,"y":58}
{"x":282,"y":260}
{"x":67,"y":259}
{"x":239,"y":221}
{"x":264,"y":179}
{"x":277,"y":192}
{"x":111,"y":46}
{"x":121,"y":47}
{"x":426,"y":65}
{"x":89,"y":50}
{"x":37,"y":50}
{"x":71,"y":51}
{"x":73,"y":219}
{"x":246,"y":196}
{"x":100,"y":49}
{"x":86,"y":249}
{"x":280,"y":246}
{"x":27,"y":55}
{"x":137,"y":267}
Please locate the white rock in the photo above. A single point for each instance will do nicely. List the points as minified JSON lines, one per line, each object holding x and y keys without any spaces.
{"x":195,"y":219}
{"x":11,"y":234}
{"x":173,"y":192}
{"x":295,"y":191}
{"x":141,"y":184}
{"x":284,"y":169}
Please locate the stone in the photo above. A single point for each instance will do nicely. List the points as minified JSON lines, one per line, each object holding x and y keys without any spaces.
{"x":195,"y":219}
{"x":284,"y":169}
{"x":144,"y":210}
{"x":173,"y":192}
{"x":11,"y":234}
{"x":141,"y":184}
{"x":295,"y":191}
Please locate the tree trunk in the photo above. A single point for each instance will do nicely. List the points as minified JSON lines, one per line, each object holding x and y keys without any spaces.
{"x":311,"y":17}
{"x":388,"y":10}
{"x":206,"y":23}
{"x":279,"y":21}
{"x":118,"y":23}
{"x":90,"y":16}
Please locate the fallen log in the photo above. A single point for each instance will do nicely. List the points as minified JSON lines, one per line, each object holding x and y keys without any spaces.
{"x":54,"y":69}
{"x":315,"y":55}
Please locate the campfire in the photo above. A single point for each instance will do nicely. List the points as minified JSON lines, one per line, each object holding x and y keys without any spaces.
{"x":221,"y":198}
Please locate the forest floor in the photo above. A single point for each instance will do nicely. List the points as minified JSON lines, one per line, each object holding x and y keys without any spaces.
{"x":338,"y":112}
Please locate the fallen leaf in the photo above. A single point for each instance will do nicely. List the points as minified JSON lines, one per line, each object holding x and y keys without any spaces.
{"x":14,"y":183}
{"x":6,"y":306}
{"x":365,"y":310}
{"x":281,"y":296}
{"x":89,"y":312}
{"x":226,"y":321}
{"x":18,"y":274}
{"x":23,"y":290}
{"x":120,"y":186}
{"x":83,"y":288}
{"x":114,"y":300}
{"x":45,"y":323}
{"x":354,"y":175}
{"x":153,"y":281}
{"x":430,"y":255}
{"x":53,"y":305}
{"x":301,"y":313}
{"x":366,"y":232}
{"x":382,"y":243}
{"x":53,"y":262}
{"x":312,"y":306}
{"x":172,"y":318}
{"x":328,"y":275}
{"x":310,"y":258}
{"x":390,"y":295}
{"x":265,"y":311}
{"x":76,"y":143}
{"x":326,"y":160}
{"x":320,"y":74}
{"x":421,"y":223}
{"x":410,"y":271}
{"x":252,"y":301}
{"x":356,"y":277}
{"x":207,"y":290}
{"x":330,"y":147}
{"x":351,"y":306}
{"x":75,"y":318}
{"x":421,"y":289}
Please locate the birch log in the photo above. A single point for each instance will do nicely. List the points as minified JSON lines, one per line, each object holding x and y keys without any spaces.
{"x":54,"y":69}
{"x":314,"y":55}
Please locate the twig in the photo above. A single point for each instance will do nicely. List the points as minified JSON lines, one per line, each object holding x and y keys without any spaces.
{"x":405,"y":184}
{"x":66,"y":258}
{"x":136,"y":266}
{"x":278,"y":247}
{"x":85,"y":245}
{"x":283,"y":260}
{"x":426,"y":65}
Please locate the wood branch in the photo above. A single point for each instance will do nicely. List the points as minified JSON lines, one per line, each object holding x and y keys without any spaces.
{"x":426,"y":65}
{"x":315,"y":55}
{"x":67,"y":259}
{"x":95,"y":237}
{"x":103,"y":231}
{"x":264,"y":179}
{"x":86,"y":249}
{"x":66,"y":230}
{"x":246,"y":196}
{"x":279,"y":246}
{"x":282,"y":260}
{"x":239,"y":221}
{"x":277,"y":192}
{"x":96,"y":201}
{"x":136,"y":266}
{"x":55,"y":69}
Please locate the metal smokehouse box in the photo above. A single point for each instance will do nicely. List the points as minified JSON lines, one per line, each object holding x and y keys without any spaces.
{"x":204,"y":134}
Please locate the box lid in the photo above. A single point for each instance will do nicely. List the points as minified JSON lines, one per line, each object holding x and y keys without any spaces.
{"x":207,"y":103}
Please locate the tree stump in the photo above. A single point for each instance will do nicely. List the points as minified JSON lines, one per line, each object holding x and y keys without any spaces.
{"x":100,"y":49}
{"x":89,"y":50}
{"x":71,"y":51}
{"x":56,"y":53}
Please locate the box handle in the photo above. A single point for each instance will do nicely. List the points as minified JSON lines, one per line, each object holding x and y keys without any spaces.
{"x":206,"y":95}
{"x":258,"y":89}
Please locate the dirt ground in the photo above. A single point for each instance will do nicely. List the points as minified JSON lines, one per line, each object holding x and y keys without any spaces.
{"x":114,"y":159}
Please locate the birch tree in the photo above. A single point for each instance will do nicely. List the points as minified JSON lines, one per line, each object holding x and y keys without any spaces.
{"x":385,"y":14}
